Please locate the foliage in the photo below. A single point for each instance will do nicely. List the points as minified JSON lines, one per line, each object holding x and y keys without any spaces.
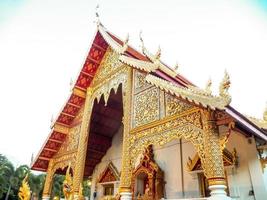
{"x":57,"y":188}
{"x":86,"y":189}
{"x":11,"y":178}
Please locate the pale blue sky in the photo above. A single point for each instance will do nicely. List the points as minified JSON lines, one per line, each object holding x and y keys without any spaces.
{"x":43,"y":45}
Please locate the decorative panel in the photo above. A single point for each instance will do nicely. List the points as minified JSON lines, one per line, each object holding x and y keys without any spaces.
{"x":72,"y":140}
{"x":146,"y":107}
{"x":139,"y":81}
{"x":108,"y":65}
{"x":174,"y":105}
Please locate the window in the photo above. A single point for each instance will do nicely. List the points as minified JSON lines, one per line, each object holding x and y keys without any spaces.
{"x":108,"y":189}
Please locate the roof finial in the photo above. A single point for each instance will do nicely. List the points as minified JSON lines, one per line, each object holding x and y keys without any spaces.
{"x":265,"y":113}
{"x":52,"y":122}
{"x":125,"y":43}
{"x":225,"y":85}
{"x":142,"y":41}
{"x":97,"y":21}
{"x":71,"y":84}
{"x":176,"y":67}
{"x":208,"y":86}
{"x":158,"y":53}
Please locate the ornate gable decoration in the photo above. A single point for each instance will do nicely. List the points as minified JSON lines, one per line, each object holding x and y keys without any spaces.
{"x":110,"y":174}
{"x":229,"y":159}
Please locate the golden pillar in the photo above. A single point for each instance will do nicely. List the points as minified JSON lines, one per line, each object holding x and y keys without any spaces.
{"x":212,"y":157}
{"x":82,"y":148}
{"x":126,"y":173}
{"x":48,"y":181}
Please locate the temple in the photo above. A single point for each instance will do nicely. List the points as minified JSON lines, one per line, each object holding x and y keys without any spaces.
{"x":137,"y":129}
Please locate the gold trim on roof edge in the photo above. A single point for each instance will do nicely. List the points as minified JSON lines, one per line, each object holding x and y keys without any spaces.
{"x":259,"y":122}
{"x":192,"y":94}
{"x":139,"y":64}
{"x":262,"y":123}
{"x":111,"y":42}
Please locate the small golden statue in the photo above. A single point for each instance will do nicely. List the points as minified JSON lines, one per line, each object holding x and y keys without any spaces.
{"x":24,"y":190}
{"x":68,"y":185}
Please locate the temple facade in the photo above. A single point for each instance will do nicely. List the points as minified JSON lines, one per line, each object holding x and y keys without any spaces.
{"x":137,"y":129}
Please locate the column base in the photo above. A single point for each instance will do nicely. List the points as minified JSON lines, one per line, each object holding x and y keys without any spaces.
{"x":45,"y":197}
{"x":126,"y":195}
{"x":218,"y":193}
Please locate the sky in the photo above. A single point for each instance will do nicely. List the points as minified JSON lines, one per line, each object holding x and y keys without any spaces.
{"x":43,"y":45}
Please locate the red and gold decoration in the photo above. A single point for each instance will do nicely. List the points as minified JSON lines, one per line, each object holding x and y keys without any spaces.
{"x":152,"y":177}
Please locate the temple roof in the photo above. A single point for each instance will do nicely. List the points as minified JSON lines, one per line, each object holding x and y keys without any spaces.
{"x":159,"y":75}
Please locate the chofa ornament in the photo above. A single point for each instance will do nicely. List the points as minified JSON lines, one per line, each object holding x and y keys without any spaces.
{"x":68,"y":185}
{"x":24,"y":190}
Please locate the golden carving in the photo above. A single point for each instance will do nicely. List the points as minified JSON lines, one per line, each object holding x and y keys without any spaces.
{"x":72,"y":140}
{"x":108,"y":65}
{"x":138,"y":64}
{"x":225,"y":85}
{"x":229,"y":159}
{"x":155,"y":183}
{"x":192,"y":94}
{"x":62,"y":161}
{"x":48,"y":179}
{"x":155,"y":59}
{"x":125,"y":181}
{"x":68,"y":185}
{"x":140,"y":81}
{"x":146,"y":107}
{"x":212,"y":156}
{"x":112,"y":82}
{"x":112,"y":43}
{"x":208,"y":87}
{"x":187,"y":125}
{"x":174,"y":105}
{"x":24,"y":190}
{"x":262,"y":123}
{"x":83,"y":141}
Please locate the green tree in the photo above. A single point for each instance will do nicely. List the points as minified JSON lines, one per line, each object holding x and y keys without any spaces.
{"x":36,"y":183}
{"x":57,"y":188}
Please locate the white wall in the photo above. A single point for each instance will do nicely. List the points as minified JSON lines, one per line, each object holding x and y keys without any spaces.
{"x":169,"y":159}
{"x":113,"y":154}
{"x":248,"y":175}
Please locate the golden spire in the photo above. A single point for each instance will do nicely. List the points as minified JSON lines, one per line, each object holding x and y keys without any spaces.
{"x":71,"y":84}
{"x":158,"y":53}
{"x":154,"y":58}
{"x":97,"y":20}
{"x":142,"y":42}
{"x":176,"y":67}
{"x":52,"y":121}
{"x":225,"y":85}
{"x":24,"y":190}
{"x":208,"y":86}
{"x":125,"y":44}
